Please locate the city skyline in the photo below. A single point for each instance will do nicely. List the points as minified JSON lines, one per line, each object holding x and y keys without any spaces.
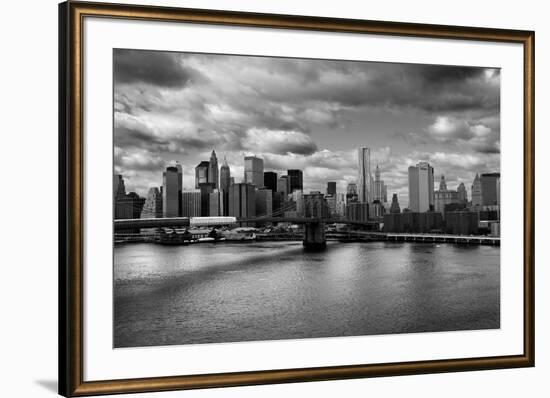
{"x":181,"y":106}
{"x":422,"y":193}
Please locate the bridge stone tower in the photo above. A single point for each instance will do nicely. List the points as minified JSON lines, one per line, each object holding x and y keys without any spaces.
{"x":314,"y":236}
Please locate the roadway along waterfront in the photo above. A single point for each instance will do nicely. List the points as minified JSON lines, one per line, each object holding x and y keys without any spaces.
{"x":226,"y":292}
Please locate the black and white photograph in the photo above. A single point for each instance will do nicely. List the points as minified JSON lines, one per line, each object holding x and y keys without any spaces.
{"x":262,"y":198}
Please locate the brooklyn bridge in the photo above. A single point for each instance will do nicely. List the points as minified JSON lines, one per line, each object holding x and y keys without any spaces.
{"x":314,"y":235}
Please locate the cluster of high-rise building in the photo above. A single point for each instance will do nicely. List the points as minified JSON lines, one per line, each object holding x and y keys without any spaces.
{"x":447,"y":210}
{"x":262,"y":193}
{"x":259,"y":193}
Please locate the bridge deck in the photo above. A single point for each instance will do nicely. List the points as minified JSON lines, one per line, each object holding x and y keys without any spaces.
{"x":137,"y":223}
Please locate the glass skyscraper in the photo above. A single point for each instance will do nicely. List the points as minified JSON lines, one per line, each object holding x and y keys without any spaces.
{"x":364,"y":180}
{"x":295,"y":180}
{"x":254,"y":171}
{"x":213,"y":171}
{"x":421,"y":187}
{"x":172,"y":182}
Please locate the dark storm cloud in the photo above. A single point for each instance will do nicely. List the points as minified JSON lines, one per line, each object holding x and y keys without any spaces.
{"x":151,"y":67}
{"x":443,"y":74}
{"x":429,"y":88}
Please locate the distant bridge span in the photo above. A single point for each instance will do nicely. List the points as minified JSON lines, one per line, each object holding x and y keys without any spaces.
{"x":138,"y":223}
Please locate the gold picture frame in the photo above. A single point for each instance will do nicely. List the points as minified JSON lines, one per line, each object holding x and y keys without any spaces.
{"x":71,"y":16}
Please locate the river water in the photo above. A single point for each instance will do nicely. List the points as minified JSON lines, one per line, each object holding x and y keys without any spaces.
{"x":227,"y":292}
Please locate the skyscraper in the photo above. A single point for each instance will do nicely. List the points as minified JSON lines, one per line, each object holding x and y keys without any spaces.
{"x":264,"y":202}
{"x":331,"y":188}
{"x":340,"y":204}
{"x":476,"y":191}
{"x":421,"y":187}
{"x":216,"y":203}
{"x":126,"y":205}
{"x":489,"y":182}
{"x":225,"y":176}
{"x":442,"y":183}
{"x":295,"y":180}
{"x":172,"y":182}
{"x":462,"y":193}
{"x":297,"y":197}
{"x":206,"y":189}
{"x":254,"y":171}
{"x":444,"y":197}
{"x":242,"y":200}
{"x":351,"y":193}
{"x":225,"y":183}
{"x":129,"y":206}
{"x":364,"y":181}
{"x":331,"y":203}
{"x":282,"y":186}
{"x":270,"y":180}
{"x":213,"y":171}
{"x":191,"y":203}
{"x":379,"y":188}
{"x":119,"y":189}
{"x":153,"y":204}
{"x":394,"y":208}
{"x":357,"y":211}
{"x":201,"y":173}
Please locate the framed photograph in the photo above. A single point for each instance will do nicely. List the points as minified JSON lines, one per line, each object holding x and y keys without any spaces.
{"x":253,"y":199}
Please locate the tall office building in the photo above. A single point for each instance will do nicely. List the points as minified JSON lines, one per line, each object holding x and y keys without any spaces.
{"x":444,"y":197}
{"x":442,"y":183}
{"x":340,"y":204}
{"x":191,"y":203}
{"x":278,"y":203}
{"x":297,"y":197}
{"x":331,"y":203}
{"x":264,"y":202}
{"x":153,"y":204}
{"x":216,"y":203}
{"x":270,"y":180}
{"x":119,"y":190}
{"x":225,"y":183}
{"x":206,"y":189}
{"x":225,"y":176}
{"x":476,"y":191}
{"x":364,"y":182}
{"x":172,"y":182}
{"x":295,"y":180}
{"x":376,"y":209}
{"x":254,"y":171}
{"x":129,"y":206}
{"x":379,"y":188}
{"x":213,"y":171}
{"x":462,"y":193}
{"x":357,"y":211}
{"x":394,"y":208}
{"x":351,"y":193}
{"x":282,"y":186}
{"x":489,"y":183}
{"x":331,"y":188}
{"x":201,"y":173}
{"x":421,"y":187}
{"x":242,"y":200}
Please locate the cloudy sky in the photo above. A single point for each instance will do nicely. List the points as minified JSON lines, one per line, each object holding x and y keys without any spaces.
{"x":302,"y":113}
